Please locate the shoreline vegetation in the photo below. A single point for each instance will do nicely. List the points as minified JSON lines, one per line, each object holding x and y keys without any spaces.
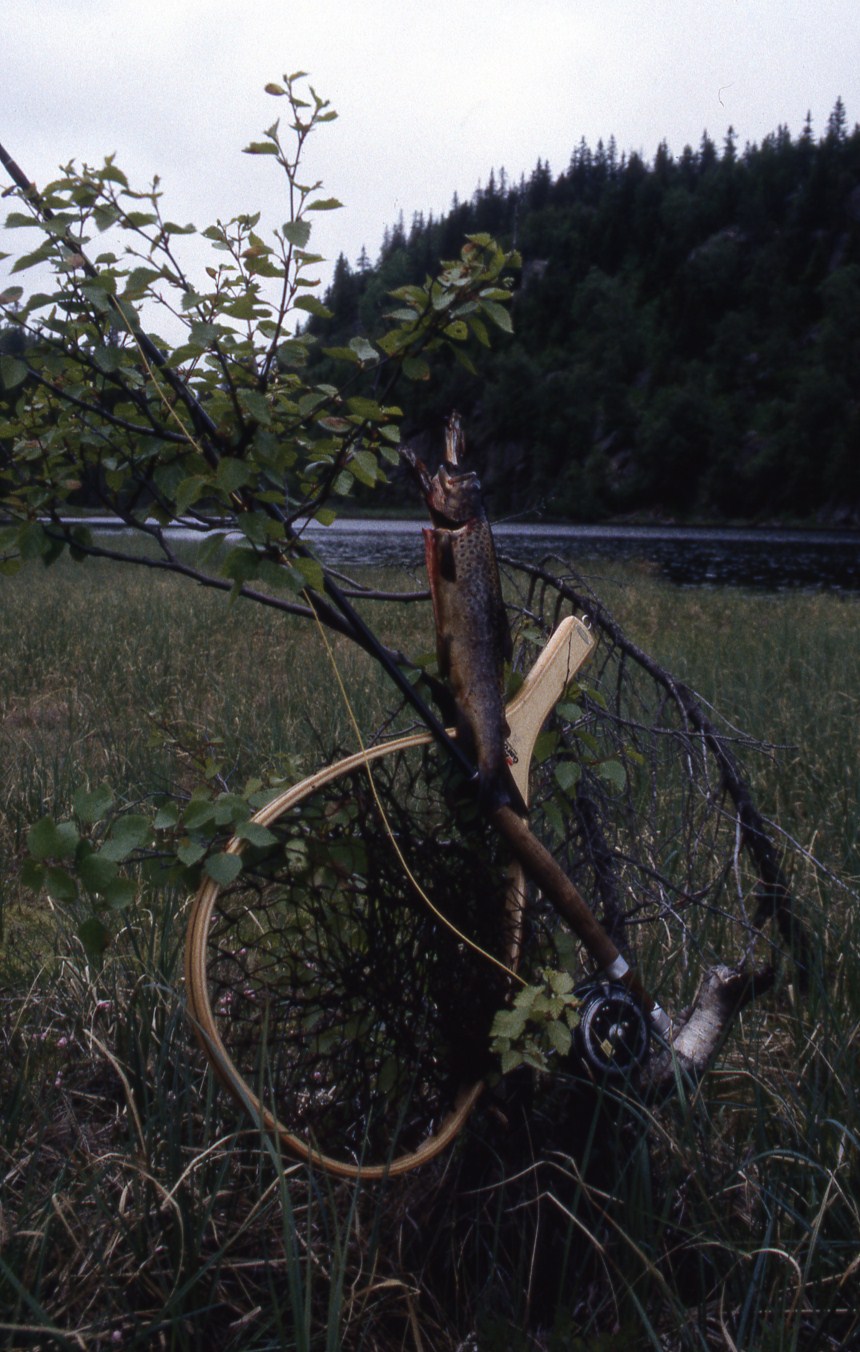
{"x":139,"y":1208}
{"x":683,"y":338}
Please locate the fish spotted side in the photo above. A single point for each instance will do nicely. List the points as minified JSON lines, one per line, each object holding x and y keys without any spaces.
{"x":473,"y":639}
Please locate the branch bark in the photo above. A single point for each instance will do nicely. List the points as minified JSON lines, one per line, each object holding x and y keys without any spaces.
{"x":698,"y":1035}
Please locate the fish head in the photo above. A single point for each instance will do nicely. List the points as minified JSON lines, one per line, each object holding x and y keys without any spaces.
{"x":454,"y":499}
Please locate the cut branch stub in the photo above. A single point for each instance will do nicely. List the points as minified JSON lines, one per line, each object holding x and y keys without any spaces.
{"x":699,"y":1035}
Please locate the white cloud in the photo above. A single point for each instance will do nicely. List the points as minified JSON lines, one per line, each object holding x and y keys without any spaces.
{"x":430,"y":96}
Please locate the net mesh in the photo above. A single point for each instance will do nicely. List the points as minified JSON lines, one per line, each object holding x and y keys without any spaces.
{"x":346,"y":1005}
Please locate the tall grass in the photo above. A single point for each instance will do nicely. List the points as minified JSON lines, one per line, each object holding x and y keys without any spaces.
{"x":140,"y":1209}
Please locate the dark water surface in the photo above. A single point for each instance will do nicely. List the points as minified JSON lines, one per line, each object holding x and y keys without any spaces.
{"x":768,"y":559}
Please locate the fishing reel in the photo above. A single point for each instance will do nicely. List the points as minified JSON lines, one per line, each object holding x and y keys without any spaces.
{"x":612,"y":1036}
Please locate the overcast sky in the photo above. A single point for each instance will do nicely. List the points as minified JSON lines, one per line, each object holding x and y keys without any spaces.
{"x":431,"y":95}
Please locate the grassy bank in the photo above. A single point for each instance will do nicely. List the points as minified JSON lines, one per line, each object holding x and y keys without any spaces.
{"x":140,"y":1209}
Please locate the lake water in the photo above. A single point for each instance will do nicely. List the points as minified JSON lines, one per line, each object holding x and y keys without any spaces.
{"x":773,"y":560}
{"x":769,"y":559}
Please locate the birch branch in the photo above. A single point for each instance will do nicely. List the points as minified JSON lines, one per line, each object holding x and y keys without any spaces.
{"x":698,"y":1035}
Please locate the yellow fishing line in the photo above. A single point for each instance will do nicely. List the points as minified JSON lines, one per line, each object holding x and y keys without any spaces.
{"x":389,"y":830}
{"x":151,"y":373}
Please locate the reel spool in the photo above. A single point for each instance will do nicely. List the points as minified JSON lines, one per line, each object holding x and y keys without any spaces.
{"x":612,"y":1036}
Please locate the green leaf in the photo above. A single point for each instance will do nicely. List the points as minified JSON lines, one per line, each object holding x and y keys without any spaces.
{"x":98,"y":292}
{"x":189,"y":491}
{"x":260,"y":148}
{"x":341,"y":354}
{"x":224,"y":868}
{"x":33,"y":259}
{"x":528,"y":997}
{"x":17,"y":220}
{"x":230,"y":808}
{"x":105,"y":216}
{"x":560,"y":982}
{"x":32,"y":875}
{"x":32,"y":541}
{"x":199,"y":813}
{"x":94,"y":935}
{"x":137,"y":282}
{"x":120,"y":893}
{"x":324,"y":204}
{"x":13,"y":372}
{"x":127,"y":834}
{"x":96,"y":873}
{"x":364,"y":350}
{"x":232,"y":474}
{"x":479,"y":329}
{"x":107,"y":359}
{"x":589,"y":741}
{"x":50,"y":840}
{"x":499,"y":315}
{"x":559,"y":1037}
{"x":416,"y":368}
{"x":567,"y":775}
{"x":203,"y":335}
{"x":509,"y":1023}
{"x":190,"y":852}
{"x":613,"y":772}
{"x":240,"y":565}
{"x":544,"y":746}
{"x":60,"y":885}
{"x":93,"y":806}
{"x":365,"y":468}
{"x":311,"y":401}
{"x":166,"y":817}
{"x":464,"y":360}
{"x":511,"y":1059}
{"x":255,"y":834}
{"x":297,"y":233}
{"x":137,"y":219}
{"x":256,"y":405}
{"x":254,"y":526}
{"x":312,"y":572}
{"x":244,"y":307}
{"x":312,"y":306}
{"x":571,"y":713}
{"x":555,"y":821}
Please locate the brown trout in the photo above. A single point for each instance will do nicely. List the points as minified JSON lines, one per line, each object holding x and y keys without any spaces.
{"x":473,"y":640}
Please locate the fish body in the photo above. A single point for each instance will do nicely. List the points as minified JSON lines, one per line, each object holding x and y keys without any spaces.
{"x":473,"y":640}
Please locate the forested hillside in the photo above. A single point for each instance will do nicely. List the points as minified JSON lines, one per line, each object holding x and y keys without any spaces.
{"x":686,"y":332}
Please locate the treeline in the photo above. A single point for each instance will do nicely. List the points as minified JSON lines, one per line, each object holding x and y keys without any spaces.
{"x":686,"y":332}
